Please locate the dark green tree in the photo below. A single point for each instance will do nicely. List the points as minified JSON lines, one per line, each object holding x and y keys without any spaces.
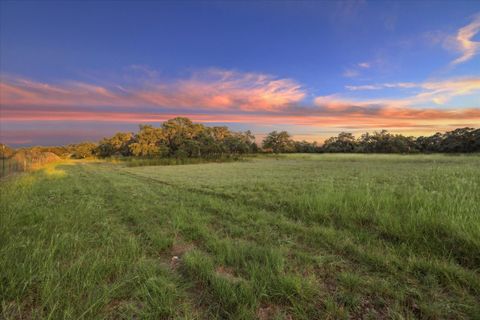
{"x":344,"y":142}
{"x":149,"y":142}
{"x":278,"y":142}
{"x":118,"y":145}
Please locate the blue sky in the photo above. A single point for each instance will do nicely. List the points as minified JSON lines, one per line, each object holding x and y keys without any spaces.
{"x":81,"y":70}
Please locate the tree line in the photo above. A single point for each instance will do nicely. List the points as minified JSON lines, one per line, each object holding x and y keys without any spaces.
{"x":461,"y":140}
{"x":181,"y":138}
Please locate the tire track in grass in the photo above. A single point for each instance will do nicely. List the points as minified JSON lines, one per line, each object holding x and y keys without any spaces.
{"x":117,"y":199}
{"x":216,"y":247}
{"x":300,"y":226}
{"x":178,"y":249}
{"x":443,"y":241}
{"x":164,"y":257}
{"x":298,"y":229}
{"x":374,"y":232}
{"x":354,"y":253}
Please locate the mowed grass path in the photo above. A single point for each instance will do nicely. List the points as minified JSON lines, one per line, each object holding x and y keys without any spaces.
{"x":298,"y":237}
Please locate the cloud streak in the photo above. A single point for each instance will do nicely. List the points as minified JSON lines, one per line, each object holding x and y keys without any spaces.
{"x":219,"y":96}
{"x":436,"y":92}
{"x":468,"y":47}
{"x":215,"y":89}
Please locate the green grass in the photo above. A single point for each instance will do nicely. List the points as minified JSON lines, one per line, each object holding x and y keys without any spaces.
{"x":294,"y":237}
{"x":139,"y":162}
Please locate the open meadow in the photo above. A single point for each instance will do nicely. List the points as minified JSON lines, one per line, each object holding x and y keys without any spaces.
{"x":322,"y":236}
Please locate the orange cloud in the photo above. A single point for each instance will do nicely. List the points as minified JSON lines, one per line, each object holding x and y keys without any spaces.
{"x":215,"y":89}
{"x":248,"y":92}
{"x":319,"y":117}
{"x":398,"y":109}
{"x":230,"y":97}
{"x":405,"y":112}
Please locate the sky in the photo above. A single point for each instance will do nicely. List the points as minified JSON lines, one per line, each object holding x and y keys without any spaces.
{"x":72,"y":71}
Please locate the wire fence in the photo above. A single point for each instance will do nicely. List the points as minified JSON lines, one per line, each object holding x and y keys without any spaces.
{"x":25,"y":162}
{"x":11,"y":165}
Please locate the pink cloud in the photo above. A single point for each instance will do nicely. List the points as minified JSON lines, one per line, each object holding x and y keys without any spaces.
{"x":220,"y":96}
{"x":216,"y":89}
{"x":323,"y":116}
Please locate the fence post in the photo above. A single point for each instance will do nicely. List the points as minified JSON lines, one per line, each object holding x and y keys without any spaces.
{"x":3,"y":159}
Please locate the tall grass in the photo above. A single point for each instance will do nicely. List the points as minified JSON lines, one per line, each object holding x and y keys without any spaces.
{"x":294,"y":237}
{"x":171,"y":161}
{"x":24,"y":161}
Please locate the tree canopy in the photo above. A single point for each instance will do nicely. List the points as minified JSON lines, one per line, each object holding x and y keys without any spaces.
{"x":462,"y":140}
{"x":5,"y":151}
{"x":279,"y":142}
{"x":181,"y":138}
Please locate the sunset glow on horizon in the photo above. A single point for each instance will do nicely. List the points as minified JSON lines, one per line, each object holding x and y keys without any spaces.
{"x":71,"y":72}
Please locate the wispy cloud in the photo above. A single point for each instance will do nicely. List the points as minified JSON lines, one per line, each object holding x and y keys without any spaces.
{"x":350,"y":73}
{"x":357,"y":69}
{"x":212,"y":89}
{"x":414,"y":110}
{"x":226,"y":90}
{"x":381,"y":86}
{"x":364,"y":87}
{"x":333,"y":113}
{"x":465,"y":43}
{"x":385,"y":109}
{"x":438,"y":92}
{"x":219,"y":96}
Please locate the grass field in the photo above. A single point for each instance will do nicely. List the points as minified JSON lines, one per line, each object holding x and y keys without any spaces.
{"x":298,"y":237}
